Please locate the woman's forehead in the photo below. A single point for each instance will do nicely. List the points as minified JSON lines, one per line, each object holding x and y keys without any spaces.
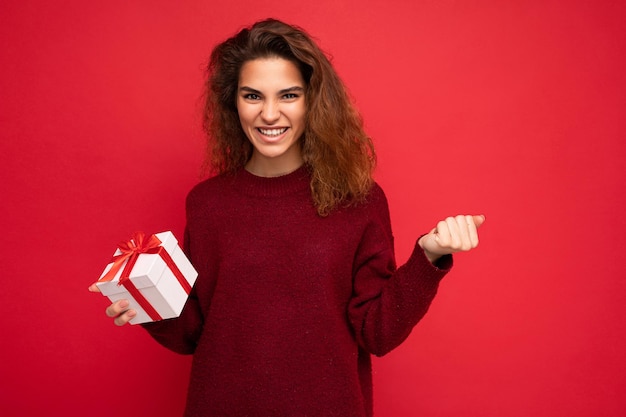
{"x":273,"y":74}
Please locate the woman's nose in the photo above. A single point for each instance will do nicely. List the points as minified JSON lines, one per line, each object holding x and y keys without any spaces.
{"x":270,"y":112}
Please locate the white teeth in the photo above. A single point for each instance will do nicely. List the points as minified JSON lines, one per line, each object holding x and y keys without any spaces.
{"x":273,"y":132}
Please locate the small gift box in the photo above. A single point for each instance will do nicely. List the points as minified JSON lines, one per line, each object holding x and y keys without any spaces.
{"x":152,"y":273}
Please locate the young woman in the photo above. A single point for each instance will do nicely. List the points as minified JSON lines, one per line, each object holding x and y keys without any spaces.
{"x":291,"y":237}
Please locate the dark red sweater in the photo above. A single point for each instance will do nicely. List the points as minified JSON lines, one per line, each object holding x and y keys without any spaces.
{"x":288,"y":305}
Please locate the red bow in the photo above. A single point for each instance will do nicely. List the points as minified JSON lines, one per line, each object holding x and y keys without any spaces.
{"x":131,"y":249}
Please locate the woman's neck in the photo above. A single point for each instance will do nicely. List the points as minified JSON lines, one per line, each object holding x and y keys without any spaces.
{"x":272,"y":168}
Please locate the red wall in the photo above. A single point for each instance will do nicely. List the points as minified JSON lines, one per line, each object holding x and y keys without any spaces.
{"x":513,"y":109}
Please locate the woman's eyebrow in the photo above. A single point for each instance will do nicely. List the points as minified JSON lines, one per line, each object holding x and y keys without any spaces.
{"x":250,"y":90}
{"x":291,"y":90}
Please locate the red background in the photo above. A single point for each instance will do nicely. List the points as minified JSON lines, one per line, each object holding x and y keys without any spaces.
{"x":512,"y":109}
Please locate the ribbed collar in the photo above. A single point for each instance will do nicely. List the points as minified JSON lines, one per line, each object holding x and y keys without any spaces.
{"x":253,"y":185}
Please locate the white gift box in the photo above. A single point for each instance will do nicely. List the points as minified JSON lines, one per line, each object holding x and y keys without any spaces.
{"x":155,"y":282}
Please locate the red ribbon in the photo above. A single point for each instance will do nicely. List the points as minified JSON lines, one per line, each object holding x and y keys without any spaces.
{"x":131,"y":249}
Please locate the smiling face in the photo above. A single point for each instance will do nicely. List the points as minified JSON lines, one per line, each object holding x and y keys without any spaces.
{"x":272,"y":110}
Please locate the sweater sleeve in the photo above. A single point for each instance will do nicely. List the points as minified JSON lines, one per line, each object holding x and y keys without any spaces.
{"x":387,"y":302}
{"x":180,"y":334}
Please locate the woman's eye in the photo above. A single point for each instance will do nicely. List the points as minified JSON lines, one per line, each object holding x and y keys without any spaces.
{"x":290,"y":96}
{"x":251,"y":96}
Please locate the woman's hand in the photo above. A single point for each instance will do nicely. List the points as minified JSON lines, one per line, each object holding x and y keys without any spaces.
{"x":454,"y":234}
{"x":118,"y":311}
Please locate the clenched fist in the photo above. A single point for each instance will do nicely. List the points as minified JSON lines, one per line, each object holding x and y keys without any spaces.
{"x":454,"y":234}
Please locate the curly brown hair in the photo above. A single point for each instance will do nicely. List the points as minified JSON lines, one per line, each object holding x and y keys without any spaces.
{"x":338,"y":153}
